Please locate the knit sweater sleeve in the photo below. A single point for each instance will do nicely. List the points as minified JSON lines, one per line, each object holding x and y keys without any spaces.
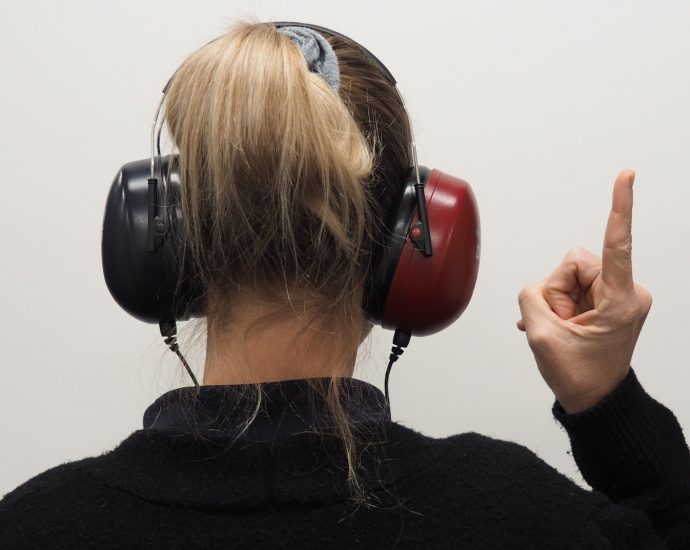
{"x":631,"y":448}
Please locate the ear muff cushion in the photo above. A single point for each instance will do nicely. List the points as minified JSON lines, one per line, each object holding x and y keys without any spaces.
{"x":427,"y":294}
{"x":393,"y":239}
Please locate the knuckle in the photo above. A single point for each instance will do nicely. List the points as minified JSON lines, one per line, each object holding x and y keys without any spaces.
{"x":578,"y":258}
{"x":623,"y":250}
{"x":577,"y":253}
{"x":645,"y":298}
{"x":538,"y":337}
{"x":626,"y":250}
{"x":526,"y":294}
{"x":632,"y":313}
{"x":649,"y":300}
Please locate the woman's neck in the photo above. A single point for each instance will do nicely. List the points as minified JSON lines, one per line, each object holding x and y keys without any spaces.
{"x":242,"y":351}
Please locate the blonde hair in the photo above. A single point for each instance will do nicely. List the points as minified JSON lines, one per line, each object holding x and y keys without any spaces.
{"x":284,"y":183}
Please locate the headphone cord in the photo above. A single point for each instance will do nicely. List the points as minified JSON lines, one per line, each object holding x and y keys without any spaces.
{"x":401,"y":339}
{"x":169,"y":333}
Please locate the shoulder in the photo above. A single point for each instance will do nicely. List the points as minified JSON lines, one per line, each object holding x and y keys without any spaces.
{"x":471,"y":479}
{"x":51,"y":482}
{"x":468,"y":445}
{"x":55,"y":500}
{"x":487,"y":464}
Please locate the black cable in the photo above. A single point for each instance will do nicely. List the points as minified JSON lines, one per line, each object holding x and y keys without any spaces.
{"x":388,"y":372}
{"x":169,"y":333}
{"x":174,"y":347}
{"x":401,"y":339}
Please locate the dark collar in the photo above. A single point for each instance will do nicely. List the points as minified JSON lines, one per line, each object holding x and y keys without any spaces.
{"x":268,"y":411}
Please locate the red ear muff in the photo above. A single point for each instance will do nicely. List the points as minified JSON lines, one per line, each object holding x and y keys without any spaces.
{"x":425,"y":294}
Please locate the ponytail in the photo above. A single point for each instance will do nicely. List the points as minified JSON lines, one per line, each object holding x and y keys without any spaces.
{"x":280,"y":189}
{"x":271,"y":165}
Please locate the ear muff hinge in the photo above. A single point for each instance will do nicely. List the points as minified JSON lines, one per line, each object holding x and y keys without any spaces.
{"x":157,"y":227}
{"x":416,"y":235}
{"x":152,"y":214}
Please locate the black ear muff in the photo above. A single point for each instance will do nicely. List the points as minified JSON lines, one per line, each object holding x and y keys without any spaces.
{"x":146,"y":283}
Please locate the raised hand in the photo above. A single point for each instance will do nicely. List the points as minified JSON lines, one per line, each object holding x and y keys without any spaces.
{"x":583,"y":321}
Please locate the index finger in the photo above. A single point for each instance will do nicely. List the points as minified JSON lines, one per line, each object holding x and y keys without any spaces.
{"x":616,"y":259}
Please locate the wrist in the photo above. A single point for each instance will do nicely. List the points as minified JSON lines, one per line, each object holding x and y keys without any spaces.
{"x":582,"y":401}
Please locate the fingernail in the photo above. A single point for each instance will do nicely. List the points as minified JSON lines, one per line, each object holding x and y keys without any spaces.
{"x":632,"y":177}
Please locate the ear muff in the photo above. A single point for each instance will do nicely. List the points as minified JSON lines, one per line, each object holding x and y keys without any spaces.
{"x":419,"y":294}
{"x":424,"y":294}
{"x":146,"y":283}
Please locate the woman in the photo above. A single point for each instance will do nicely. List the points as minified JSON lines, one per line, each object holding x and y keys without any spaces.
{"x":286,"y":173}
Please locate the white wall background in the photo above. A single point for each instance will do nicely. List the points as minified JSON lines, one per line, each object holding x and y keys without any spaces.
{"x":537,"y":103}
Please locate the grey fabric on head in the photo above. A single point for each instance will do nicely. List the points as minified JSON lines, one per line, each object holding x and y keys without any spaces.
{"x":319,"y":54}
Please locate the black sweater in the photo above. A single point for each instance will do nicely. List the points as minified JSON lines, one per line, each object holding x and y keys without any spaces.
{"x":194,"y":483}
